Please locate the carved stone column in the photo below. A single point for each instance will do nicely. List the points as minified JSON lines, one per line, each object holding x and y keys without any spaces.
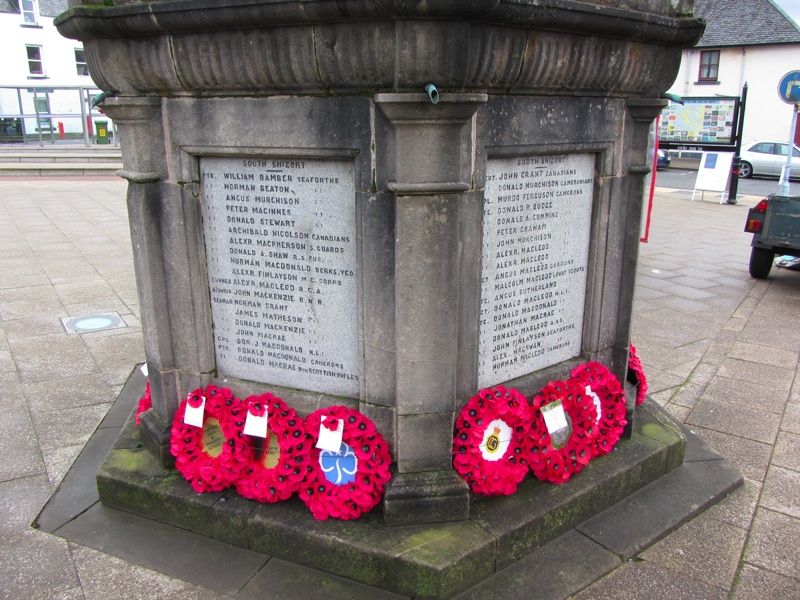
{"x":641,"y":112}
{"x":430,"y":177}
{"x":163,"y":219}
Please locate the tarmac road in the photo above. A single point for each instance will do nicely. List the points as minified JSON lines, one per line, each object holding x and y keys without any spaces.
{"x":683,"y":179}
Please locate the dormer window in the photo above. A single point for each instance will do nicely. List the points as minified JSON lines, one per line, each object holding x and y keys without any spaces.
{"x":30,"y":12}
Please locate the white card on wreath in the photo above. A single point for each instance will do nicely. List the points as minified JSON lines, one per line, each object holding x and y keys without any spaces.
{"x":194,"y":416}
{"x":255,"y":425}
{"x":554,"y":417}
{"x":330,"y":440}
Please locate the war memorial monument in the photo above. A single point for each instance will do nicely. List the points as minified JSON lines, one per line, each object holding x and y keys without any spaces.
{"x":385,"y":205}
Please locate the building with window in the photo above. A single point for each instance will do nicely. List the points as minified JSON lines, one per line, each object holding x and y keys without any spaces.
{"x":32,"y":48}
{"x":751,"y":41}
{"x":37,"y":61}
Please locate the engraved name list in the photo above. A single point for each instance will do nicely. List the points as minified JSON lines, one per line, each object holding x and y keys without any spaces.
{"x":537,"y":218}
{"x":280,"y":245}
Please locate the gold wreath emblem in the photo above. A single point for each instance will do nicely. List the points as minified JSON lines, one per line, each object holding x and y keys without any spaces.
{"x":493,"y":441}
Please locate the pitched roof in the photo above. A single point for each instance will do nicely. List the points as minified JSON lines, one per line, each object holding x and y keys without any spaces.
{"x":744,"y":23}
{"x":52,"y":8}
{"x":47,"y":8}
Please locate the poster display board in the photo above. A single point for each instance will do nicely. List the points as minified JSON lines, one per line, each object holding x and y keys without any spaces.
{"x":714,"y":172}
{"x":698,"y":121}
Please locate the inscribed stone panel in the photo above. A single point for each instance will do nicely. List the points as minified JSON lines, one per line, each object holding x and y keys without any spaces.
{"x":281,"y":249}
{"x":537,"y":219}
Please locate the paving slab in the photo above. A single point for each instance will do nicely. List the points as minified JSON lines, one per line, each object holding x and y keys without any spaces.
{"x":636,"y":580}
{"x":759,"y":583}
{"x":643,"y":518}
{"x":178,"y":553}
{"x":781,"y":491}
{"x":78,"y":491}
{"x":704,"y":549}
{"x":72,"y":392}
{"x":38,"y":565}
{"x":280,"y":580}
{"x":739,"y":507}
{"x":735,"y":420}
{"x":767,"y":355}
{"x":787,"y":451}
{"x":750,"y":457}
{"x":18,"y":444}
{"x":103,"y":576}
{"x":774,"y":543}
{"x":22,"y":499}
{"x":791,"y":418}
{"x":561,"y":568}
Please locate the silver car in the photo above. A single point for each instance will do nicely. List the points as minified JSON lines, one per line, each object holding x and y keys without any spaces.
{"x":767,"y":158}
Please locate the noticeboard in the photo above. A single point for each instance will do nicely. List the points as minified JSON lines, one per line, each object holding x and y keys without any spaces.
{"x":699,"y":121}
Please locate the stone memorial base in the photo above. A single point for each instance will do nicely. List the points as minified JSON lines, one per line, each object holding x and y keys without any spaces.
{"x":423,"y":561}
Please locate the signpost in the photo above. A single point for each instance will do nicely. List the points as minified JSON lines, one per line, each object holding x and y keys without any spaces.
{"x":789,"y":92}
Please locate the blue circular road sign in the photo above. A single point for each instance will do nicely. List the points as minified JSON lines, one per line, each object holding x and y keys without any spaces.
{"x":789,"y":87}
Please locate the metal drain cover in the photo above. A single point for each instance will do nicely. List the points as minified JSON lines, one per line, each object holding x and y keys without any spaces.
{"x":91,"y":323}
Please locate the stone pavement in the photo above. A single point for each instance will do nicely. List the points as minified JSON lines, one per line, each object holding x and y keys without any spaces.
{"x":720,"y":351}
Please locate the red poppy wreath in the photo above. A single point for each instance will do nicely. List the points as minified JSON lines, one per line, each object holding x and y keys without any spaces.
{"x":350,"y":482}
{"x":210,"y":457}
{"x":636,"y":375}
{"x":491,"y":444}
{"x":145,"y":403}
{"x":276,"y":470}
{"x":608,"y":399}
{"x":563,"y":431}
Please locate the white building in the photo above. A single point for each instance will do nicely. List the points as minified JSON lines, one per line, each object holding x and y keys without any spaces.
{"x":37,"y":59}
{"x":750,"y":41}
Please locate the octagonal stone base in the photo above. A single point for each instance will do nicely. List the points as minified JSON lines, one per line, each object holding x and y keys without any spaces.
{"x":423,"y":561}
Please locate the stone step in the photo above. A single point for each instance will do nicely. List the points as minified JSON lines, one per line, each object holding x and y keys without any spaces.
{"x":59,"y":169}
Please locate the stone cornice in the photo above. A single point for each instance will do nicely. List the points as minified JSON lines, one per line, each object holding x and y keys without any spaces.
{"x":86,"y":21}
{"x":240,"y":47}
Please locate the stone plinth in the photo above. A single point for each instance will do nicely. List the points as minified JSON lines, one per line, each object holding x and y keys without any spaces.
{"x":307,"y":222}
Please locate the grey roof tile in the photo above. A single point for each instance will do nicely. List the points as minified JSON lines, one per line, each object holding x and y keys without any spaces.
{"x":744,"y":23}
{"x":52,"y":8}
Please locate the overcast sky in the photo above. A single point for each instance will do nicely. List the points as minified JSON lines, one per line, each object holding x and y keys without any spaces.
{"x":791,"y":8}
